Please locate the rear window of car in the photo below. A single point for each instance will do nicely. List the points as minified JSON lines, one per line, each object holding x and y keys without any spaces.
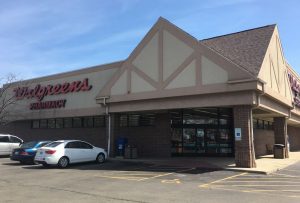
{"x":53,"y":144}
{"x":29,"y":144}
{"x":43,"y":144}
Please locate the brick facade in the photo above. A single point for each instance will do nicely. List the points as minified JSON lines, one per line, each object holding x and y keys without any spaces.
{"x":244,"y":149}
{"x":294,"y":138}
{"x":280,"y":132}
{"x":262,"y":138}
{"x":151,"y":141}
{"x":22,"y":129}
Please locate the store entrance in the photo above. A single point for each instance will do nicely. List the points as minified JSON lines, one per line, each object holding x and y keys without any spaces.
{"x":197,"y":133}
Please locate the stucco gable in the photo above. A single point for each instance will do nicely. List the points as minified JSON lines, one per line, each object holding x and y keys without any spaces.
{"x":274,"y":71}
{"x":168,"y":61}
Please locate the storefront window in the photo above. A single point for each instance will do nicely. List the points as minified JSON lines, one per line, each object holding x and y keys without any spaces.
{"x":77,"y":122}
{"x":51,"y":123}
{"x":202,"y":131}
{"x":133,"y":120}
{"x":88,"y":122}
{"x":68,"y":122}
{"x":36,"y":124}
{"x":99,"y":121}
{"x":123,"y":120}
{"x":59,"y":123}
{"x":176,"y":140}
{"x":43,"y":123}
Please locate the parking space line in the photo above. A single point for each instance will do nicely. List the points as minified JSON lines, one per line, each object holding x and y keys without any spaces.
{"x":167,"y":174}
{"x":220,"y":180}
{"x":290,"y":170}
{"x":139,"y":176}
{"x":256,"y":192}
{"x":262,"y":185}
{"x":264,"y":181}
{"x":286,"y":175}
{"x":119,"y":177}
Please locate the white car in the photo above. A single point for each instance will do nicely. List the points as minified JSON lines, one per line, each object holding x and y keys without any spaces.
{"x":8,"y":143}
{"x":65,"y":152}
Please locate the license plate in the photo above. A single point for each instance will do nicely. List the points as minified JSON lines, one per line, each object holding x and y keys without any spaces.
{"x":38,"y":158}
{"x":41,"y":153}
{"x":16,"y":153}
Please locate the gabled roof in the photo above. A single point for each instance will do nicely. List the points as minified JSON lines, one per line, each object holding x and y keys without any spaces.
{"x":246,"y":48}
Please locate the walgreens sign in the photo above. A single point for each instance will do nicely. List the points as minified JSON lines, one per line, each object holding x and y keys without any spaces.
{"x":295,"y":85}
{"x":39,"y":92}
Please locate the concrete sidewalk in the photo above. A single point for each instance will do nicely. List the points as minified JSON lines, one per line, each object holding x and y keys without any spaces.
{"x":265,"y":164}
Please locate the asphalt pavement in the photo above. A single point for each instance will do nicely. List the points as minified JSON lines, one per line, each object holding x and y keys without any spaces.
{"x":119,"y":181}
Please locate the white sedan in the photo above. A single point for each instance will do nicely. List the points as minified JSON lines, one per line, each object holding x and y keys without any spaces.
{"x":65,"y":152}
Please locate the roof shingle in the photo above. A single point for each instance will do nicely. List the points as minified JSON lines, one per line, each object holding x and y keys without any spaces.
{"x":246,"y":48}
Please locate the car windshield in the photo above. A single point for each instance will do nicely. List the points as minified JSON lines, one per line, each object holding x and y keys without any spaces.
{"x":29,"y":144}
{"x":53,"y":144}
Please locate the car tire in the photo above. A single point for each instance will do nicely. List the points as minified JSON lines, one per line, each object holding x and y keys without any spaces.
{"x":63,"y":162}
{"x":100,"y":158}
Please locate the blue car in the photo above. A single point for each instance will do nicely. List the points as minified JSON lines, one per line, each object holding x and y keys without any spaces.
{"x":26,"y":152}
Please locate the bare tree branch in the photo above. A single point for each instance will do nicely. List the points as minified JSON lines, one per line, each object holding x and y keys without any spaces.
{"x":7,"y":97}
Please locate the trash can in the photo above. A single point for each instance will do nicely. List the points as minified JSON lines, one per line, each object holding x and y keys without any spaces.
{"x":279,"y":151}
{"x":121,"y":143}
{"x":130,"y":152}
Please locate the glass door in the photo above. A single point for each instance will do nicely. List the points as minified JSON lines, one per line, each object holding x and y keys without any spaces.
{"x":189,"y":140}
{"x":200,"y":142}
{"x":212,"y":145}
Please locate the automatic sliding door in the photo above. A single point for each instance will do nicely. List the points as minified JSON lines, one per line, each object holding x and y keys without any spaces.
{"x":189,"y":140}
{"x":212,"y":145}
{"x":200,"y":143}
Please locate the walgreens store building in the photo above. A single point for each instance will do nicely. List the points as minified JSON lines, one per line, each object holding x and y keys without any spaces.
{"x":232,"y":95}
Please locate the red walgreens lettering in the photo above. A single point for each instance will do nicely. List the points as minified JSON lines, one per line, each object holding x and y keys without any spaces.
{"x":40,"y":92}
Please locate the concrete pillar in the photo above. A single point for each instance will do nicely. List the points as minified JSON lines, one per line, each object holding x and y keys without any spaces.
{"x":280,"y":133}
{"x":113,"y":128}
{"x":244,"y":148}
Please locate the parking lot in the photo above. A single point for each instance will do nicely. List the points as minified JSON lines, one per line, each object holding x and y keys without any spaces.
{"x":118,"y":181}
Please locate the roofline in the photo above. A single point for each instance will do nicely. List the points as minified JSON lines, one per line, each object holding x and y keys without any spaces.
{"x":239,"y":32}
{"x":89,"y":69}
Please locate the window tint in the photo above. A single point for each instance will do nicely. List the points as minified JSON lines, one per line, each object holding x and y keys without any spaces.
{"x":36,"y":124}
{"x":53,"y":144}
{"x":85,"y":145}
{"x":68,"y":122}
{"x":29,"y":144}
{"x":43,"y":123}
{"x":51,"y":123}
{"x":42,"y":144}
{"x":99,"y":121}
{"x":59,"y":123}
{"x":4,"y":139}
{"x":77,"y":122}
{"x":88,"y":122}
{"x":15,"y":140}
{"x":73,"y":145}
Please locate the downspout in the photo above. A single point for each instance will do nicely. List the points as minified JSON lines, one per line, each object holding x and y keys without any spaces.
{"x":105,"y":104}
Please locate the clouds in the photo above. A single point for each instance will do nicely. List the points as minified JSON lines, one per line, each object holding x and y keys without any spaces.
{"x":43,"y":37}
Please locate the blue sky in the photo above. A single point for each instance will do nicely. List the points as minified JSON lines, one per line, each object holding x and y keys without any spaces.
{"x":39,"y":38}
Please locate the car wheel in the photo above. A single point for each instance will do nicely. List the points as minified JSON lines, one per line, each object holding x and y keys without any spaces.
{"x":100,"y":158}
{"x":63,"y":162}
